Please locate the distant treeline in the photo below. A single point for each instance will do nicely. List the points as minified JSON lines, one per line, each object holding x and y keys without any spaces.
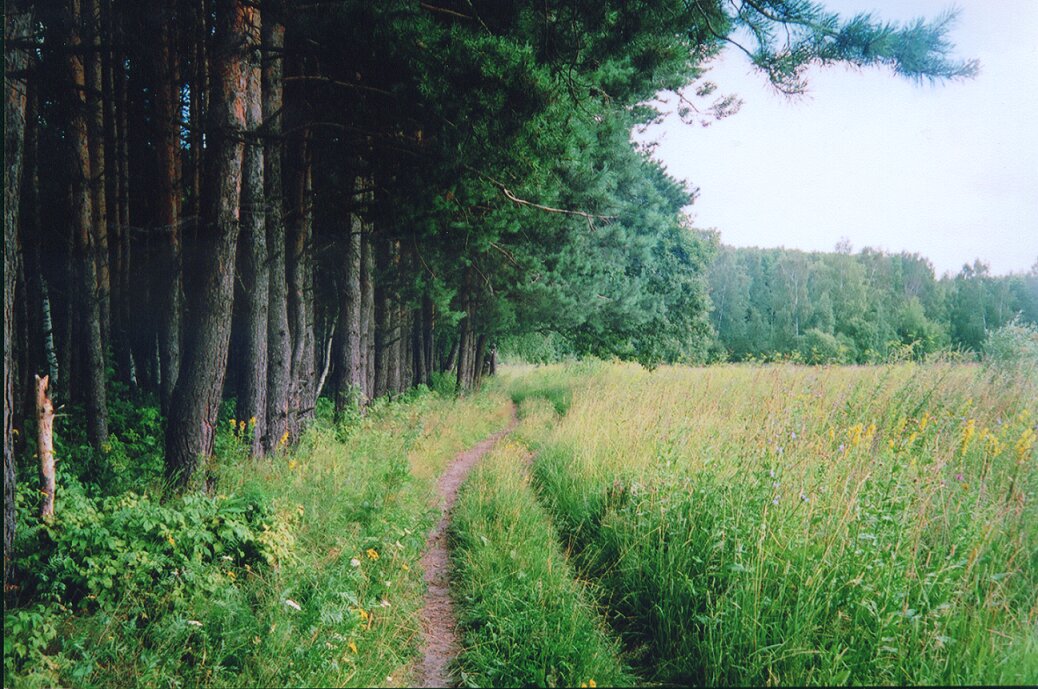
{"x":857,"y":307}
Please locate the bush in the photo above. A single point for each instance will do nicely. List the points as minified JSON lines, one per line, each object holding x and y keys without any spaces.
{"x":1013,"y":345}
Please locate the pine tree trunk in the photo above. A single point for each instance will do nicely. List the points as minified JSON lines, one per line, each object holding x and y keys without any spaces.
{"x":300,"y":292}
{"x":348,"y":372}
{"x":196,"y":399}
{"x":367,"y":314}
{"x":83,"y":217}
{"x":17,"y":25}
{"x":96,"y":143}
{"x":252,"y":398}
{"x":428,"y":352}
{"x":382,"y":317}
{"x":167,"y":201}
{"x":279,"y":352}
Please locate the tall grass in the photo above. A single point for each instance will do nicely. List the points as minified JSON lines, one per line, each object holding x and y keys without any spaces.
{"x":791,"y":525}
{"x":525,"y":620}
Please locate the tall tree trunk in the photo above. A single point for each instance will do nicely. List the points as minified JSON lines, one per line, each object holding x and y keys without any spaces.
{"x":383,"y":317}
{"x":479,"y":360}
{"x":465,"y":336}
{"x":45,"y":446}
{"x":252,"y":397}
{"x":167,"y":199}
{"x":82,"y":219}
{"x":99,"y":171}
{"x":428,"y":349}
{"x":17,"y":27}
{"x":367,"y":313}
{"x":279,"y":352}
{"x":348,"y":384}
{"x":118,"y":239}
{"x":300,"y":291}
{"x":196,"y":398}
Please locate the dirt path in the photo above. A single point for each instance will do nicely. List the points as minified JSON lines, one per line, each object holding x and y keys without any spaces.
{"x":439,"y":626}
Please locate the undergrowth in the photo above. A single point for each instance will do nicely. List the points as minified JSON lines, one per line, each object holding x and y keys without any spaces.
{"x":301,"y":570}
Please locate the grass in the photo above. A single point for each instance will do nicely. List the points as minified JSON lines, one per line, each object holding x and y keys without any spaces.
{"x":794,"y":525}
{"x":525,"y":620}
{"x":336,"y":607}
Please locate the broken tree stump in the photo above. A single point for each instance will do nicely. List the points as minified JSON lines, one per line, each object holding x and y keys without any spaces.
{"x":45,"y":445}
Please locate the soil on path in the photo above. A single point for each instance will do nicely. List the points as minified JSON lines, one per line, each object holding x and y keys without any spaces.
{"x":439,"y":626}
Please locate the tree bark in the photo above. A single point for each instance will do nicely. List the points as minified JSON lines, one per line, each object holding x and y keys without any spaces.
{"x":45,"y":446}
{"x":252,"y":397}
{"x":196,"y":398}
{"x":367,"y":313}
{"x":348,"y":372}
{"x":300,"y":292}
{"x":279,"y":352}
{"x":83,"y":217}
{"x":383,"y":318}
{"x":167,"y":198}
{"x":99,"y":171}
{"x":17,"y":26}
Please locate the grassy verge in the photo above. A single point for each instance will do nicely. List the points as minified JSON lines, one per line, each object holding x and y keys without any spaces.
{"x":526,"y":621}
{"x":301,"y":572}
{"x":791,"y":525}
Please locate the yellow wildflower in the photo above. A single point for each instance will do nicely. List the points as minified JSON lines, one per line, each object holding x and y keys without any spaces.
{"x":353,"y":646}
{"x":405,"y":567}
{"x":169,"y":539}
{"x":363,"y":614}
{"x":923,"y":421}
{"x":252,"y":420}
{"x":241,"y":425}
{"x":372,"y":554}
{"x":968,"y":432}
{"x":233,"y":423}
{"x":1024,"y":444}
{"x":284,"y":438}
{"x":292,"y":464}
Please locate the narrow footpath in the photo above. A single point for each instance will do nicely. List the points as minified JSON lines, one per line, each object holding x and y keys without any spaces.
{"x":440,"y":643}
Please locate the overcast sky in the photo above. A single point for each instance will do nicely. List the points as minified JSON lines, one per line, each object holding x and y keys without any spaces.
{"x":949,"y":171}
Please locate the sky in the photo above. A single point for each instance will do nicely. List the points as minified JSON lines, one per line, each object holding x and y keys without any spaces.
{"x":949,"y":171}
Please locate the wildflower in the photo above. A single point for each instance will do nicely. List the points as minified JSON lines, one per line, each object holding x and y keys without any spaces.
{"x":354,"y":562}
{"x":774,"y":500}
{"x":968,"y":432}
{"x":256,"y":640}
{"x":284,"y":438}
{"x":169,"y":539}
{"x":252,"y":421}
{"x":958,"y":477}
{"x":353,"y":646}
{"x":241,"y":425}
{"x":1024,"y":444}
{"x":384,"y":603}
{"x":194,"y":623}
{"x":372,"y":554}
{"x":771,"y":473}
{"x":231,"y":575}
{"x":292,"y":464}
{"x":803,"y":496}
{"x":292,"y":604}
{"x":405,"y":567}
{"x":842,"y":448}
{"x":363,"y":614}
{"x":233,"y":423}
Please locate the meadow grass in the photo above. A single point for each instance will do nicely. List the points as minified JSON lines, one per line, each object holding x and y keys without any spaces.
{"x":337,"y":607}
{"x":795,"y":525}
{"x":525,"y":620}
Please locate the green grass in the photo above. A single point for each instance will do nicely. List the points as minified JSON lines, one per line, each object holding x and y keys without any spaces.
{"x":793,"y":525}
{"x":332,"y":600}
{"x":525,"y":620}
